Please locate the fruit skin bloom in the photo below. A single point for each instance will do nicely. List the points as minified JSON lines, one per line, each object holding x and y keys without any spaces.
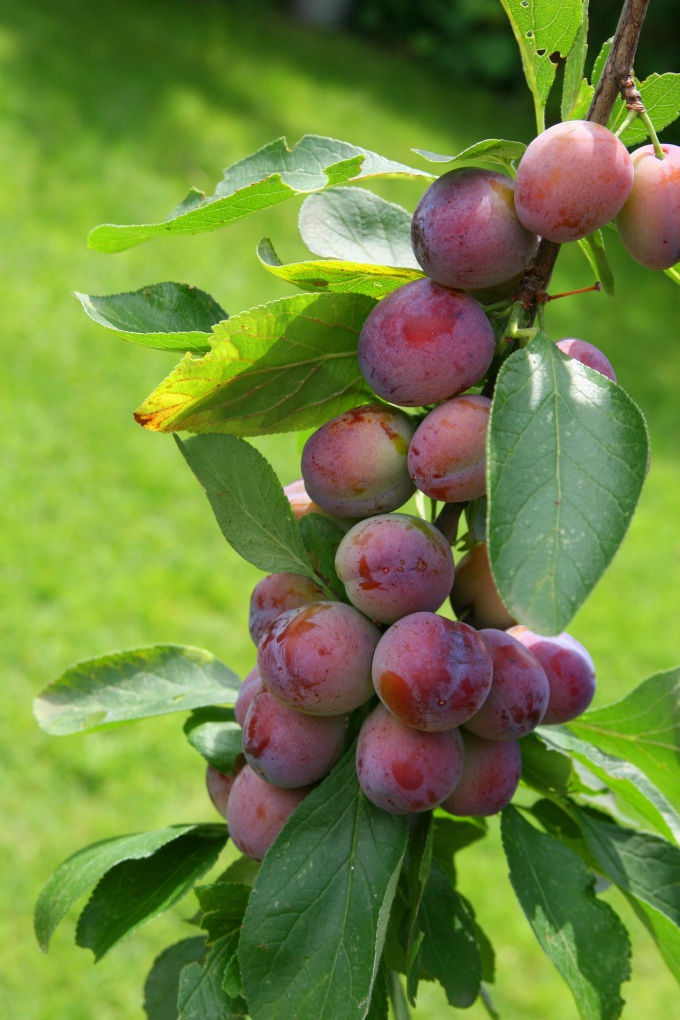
{"x":572,"y":179}
{"x":649,"y":223}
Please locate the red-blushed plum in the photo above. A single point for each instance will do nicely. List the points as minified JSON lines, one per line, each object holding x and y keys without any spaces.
{"x":569,"y":669}
{"x":587,"y":354}
{"x":247,"y":691}
{"x":301,"y":504}
{"x":220,"y":785}
{"x":403,"y":770}
{"x":474,"y":597}
{"x":393,"y":565}
{"x":257,"y":811}
{"x":490,"y":776}
{"x":317,"y":659}
{"x":465,"y":232}
{"x":288,"y":748}
{"x":572,"y":179}
{"x":447,"y":455}
{"x":432,"y":673}
{"x":273,"y":595}
{"x":424,"y":343}
{"x":519,"y":693}
{"x":649,"y":223}
{"x":355,"y":465}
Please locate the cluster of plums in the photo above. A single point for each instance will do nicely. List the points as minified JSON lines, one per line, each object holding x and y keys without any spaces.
{"x":445,"y":702}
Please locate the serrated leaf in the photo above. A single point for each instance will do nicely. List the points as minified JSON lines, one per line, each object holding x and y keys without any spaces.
{"x":491,"y":150}
{"x":162,"y":984}
{"x":451,"y":835}
{"x":169,"y":316}
{"x":249,"y":504}
{"x":135,"y":891}
{"x":566,"y":459}
{"x":321,"y":538}
{"x":201,"y":994}
{"x":543,"y":768}
{"x":583,"y":937}
{"x":315,"y":926}
{"x":601,"y":62}
{"x":124,"y":686}
{"x":449,"y":951}
{"x":216,"y":735}
{"x":623,"y":778}
{"x":223,"y":905}
{"x":418,"y":871}
{"x":288,"y":365}
{"x":334,"y":276}
{"x":573,"y":69}
{"x":594,"y":250}
{"x":269,"y":176}
{"x":379,"y":1003}
{"x":582,"y":102}
{"x":84,"y":869}
{"x":541,"y":29}
{"x":661,"y":96}
{"x":643,"y":729}
{"x":356,"y":225}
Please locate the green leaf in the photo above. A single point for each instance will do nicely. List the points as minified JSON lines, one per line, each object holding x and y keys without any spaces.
{"x":601,"y":62}
{"x":248,"y":502}
{"x":581,"y":104}
{"x":643,"y":729}
{"x":583,"y":937}
{"x":269,"y":176}
{"x":201,"y":994}
{"x":84,"y":869}
{"x":491,"y":150}
{"x":622,"y":778}
{"x":573,"y":70}
{"x":543,"y":768}
{"x":216,"y":735}
{"x":451,"y":835}
{"x":673,"y":273}
{"x":315,"y":925}
{"x":334,"y":276}
{"x":135,"y":891}
{"x":356,"y":225}
{"x":596,"y":255}
{"x":288,"y":365}
{"x":124,"y":686}
{"x":661,"y":96}
{"x":170,"y":316}
{"x":223,"y":905}
{"x":379,"y":1003}
{"x":566,"y":459}
{"x":321,"y":538}
{"x":449,"y":952}
{"x":162,"y":984}
{"x":419,"y":864}
{"x":541,"y":29}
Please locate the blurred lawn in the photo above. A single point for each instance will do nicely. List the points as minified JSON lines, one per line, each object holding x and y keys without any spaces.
{"x":108,"y":112}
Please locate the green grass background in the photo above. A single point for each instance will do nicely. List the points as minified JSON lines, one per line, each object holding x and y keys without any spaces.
{"x":108,"y":113}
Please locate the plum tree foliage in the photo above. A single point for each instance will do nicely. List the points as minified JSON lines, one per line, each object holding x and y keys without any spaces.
{"x":374,"y":735}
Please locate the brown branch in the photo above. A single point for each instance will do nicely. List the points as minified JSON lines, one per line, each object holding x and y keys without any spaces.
{"x":448,"y":519}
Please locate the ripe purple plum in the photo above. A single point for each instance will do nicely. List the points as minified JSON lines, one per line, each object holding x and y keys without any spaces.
{"x":257,"y":811}
{"x":393,"y":565}
{"x":572,"y":179}
{"x":403,"y":770}
{"x":465,"y":232}
{"x":431,"y":673}
{"x":474,"y":597}
{"x":247,"y":691}
{"x":355,"y":465}
{"x":220,"y":785}
{"x":569,"y":669}
{"x":273,"y":595}
{"x":447,"y":455}
{"x":587,"y":354}
{"x":317,"y":659}
{"x":424,"y":343}
{"x":490,"y":776}
{"x":519,"y":693}
{"x":649,"y":223}
{"x":287,"y":748}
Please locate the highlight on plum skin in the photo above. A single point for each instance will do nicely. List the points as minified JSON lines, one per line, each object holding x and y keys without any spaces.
{"x":519,"y":694}
{"x":447,"y":455}
{"x":317,"y":659}
{"x":287,"y":748}
{"x":491,"y":775}
{"x":424,"y":343}
{"x":220,"y":784}
{"x":474,"y":596}
{"x":587,"y":354}
{"x":273,"y":595}
{"x":572,"y":179}
{"x":355,"y":465}
{"x":393,"y":565}
{"x":257,"y":811}
{"x":465,"y":232}
{"x":403,"y":770}
{"x":432,"y":673}
{"x":569,"y":669}
{"x":250,"y":686}
{"x":649,"y":222}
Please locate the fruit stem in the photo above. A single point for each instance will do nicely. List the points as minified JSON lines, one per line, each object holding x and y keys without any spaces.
{"x":397,"y":997}
{"x":448,"y":520}
{"x":632,"y":115}
{"x":647,"y":121}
